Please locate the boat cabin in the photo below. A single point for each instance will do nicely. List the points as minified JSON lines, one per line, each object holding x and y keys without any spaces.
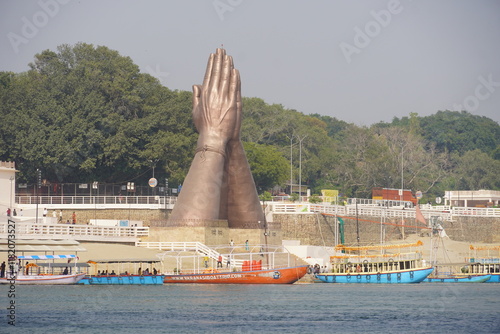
{"x":376,"y":259}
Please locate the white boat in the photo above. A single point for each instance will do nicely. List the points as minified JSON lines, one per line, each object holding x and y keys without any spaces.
{"x":37,"y":273}
{"x":43,"y":279}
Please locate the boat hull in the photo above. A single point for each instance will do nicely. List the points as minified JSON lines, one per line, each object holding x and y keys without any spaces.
{"x":403,"y":276}
{"x":273,"y":276}
{"x":44,"y":279}
{"x":495,"y":278}
{"x":123,"y":280}
{"x":461,"y":279}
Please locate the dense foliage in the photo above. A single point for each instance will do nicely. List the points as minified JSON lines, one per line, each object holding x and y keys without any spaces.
{"x":86,"y":113}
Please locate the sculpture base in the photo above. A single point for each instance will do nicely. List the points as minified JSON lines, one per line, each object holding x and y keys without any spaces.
{"x":213,"y":233}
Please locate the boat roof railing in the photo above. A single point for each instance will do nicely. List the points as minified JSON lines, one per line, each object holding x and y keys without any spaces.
{"x":225,"y":250}
{"x":376,"y":247}
{"x":496,"y":247}
{"x":46,"y":257}
{"x":62,"y":265}
{"x":149,"y":260}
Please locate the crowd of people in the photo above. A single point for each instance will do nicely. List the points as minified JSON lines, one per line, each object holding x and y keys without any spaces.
{"x":317,"y":269}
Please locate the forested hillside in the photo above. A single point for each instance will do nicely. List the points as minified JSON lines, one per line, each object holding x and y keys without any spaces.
{"x":84,"y":113}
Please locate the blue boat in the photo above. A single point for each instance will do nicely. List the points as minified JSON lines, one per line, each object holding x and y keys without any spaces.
{"x":123,"y":280}
{"x":376,"y":264}
{"x":495,"y":278}
{"x":485,"y":260}
{"x":403,"y":276}
{"x":459,"y":279}
{"x":145,"y":274}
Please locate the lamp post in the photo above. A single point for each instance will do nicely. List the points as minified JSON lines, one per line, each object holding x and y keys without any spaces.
{"x":95,"y":186}
{"x":300,"y":166}
{"x":402,"y":182}
{"x":12,"y":178}
{"x":130,"y":189}
{"x":37,"y":190}
{"x":291,"y":158}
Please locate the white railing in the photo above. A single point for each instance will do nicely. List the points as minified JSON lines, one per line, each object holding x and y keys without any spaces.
{"x":161,"y":202}
{"x":351,"y":211}
{"x":98,"y":202}
{"x":428,"y":211}
{"x":478,"y":212}
{"x":77,"y":232}
{"x":212,"y":252}
{"x":197,"y":247}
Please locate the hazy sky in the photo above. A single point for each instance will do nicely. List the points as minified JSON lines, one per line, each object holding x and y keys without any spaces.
{"x":359,"y":61}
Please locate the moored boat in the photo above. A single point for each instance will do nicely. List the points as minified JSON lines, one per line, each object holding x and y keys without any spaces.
{"x":376,"y":264}
{"x":455,"y":273}
{"x":287,"y":275}
{"x":244,"y":264}
{"x":144,"y":276}
{"x":51,"y":273}
{"x":458,"y":279}
{"x":485,"y":260}
{"x":123,"y":280}
{"x":43,"y":279}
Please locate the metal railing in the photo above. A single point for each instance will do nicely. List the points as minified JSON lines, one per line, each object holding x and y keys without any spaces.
{"x":77,"y":232}
{"x":162,"y":202}
{"x":98,"y":202}
{"x":353,"y":211}
{"x":174,"y":249}
{"x":447,"y":213}
{"x":180,"y":247}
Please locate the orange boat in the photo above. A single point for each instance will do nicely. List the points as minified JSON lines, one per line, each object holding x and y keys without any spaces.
{"x":286,"y":275}
{"x":197,"y":265}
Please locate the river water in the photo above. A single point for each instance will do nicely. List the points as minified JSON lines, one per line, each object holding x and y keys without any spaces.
{"x":298,"y":308}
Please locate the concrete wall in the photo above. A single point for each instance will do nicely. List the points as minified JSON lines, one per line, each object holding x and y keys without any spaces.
{"x":206,"y":235}
{"x":148,"y":217}
{"x":213,"y":235}
{"x":474,"y":229}
{"x":312,"y":229}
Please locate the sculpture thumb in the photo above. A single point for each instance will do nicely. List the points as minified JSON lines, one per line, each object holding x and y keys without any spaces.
{"x":196,"y":95}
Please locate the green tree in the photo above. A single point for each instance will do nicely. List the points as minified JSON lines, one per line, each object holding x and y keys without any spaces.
{"x":461,"y":132}
{"x":269,"y":167}
{"x":86,"y":113}
{"x":266,"y":196}
{"x":476,"y":170}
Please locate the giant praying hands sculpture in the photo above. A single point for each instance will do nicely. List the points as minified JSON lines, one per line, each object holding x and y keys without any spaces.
{"x":219,"y":184}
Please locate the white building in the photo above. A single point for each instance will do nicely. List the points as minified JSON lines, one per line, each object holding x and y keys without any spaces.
{"x":472,"y":198}
{"x":7,"y":188}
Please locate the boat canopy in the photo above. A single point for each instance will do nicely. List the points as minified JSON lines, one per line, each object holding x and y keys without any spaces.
{"x":63,"y":265}
{"x":46,"y":257}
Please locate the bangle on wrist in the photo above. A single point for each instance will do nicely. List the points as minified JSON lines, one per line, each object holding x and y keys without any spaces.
{"x":206,"y":148}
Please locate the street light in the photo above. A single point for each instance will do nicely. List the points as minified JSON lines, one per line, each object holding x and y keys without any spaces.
{"x":402,"y":182}
{"x":95,"y":185}
{"x":12,"y":178}
{"x":300,"y":166}
{"x":37,"y":190}
{"x":291,"y":159}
